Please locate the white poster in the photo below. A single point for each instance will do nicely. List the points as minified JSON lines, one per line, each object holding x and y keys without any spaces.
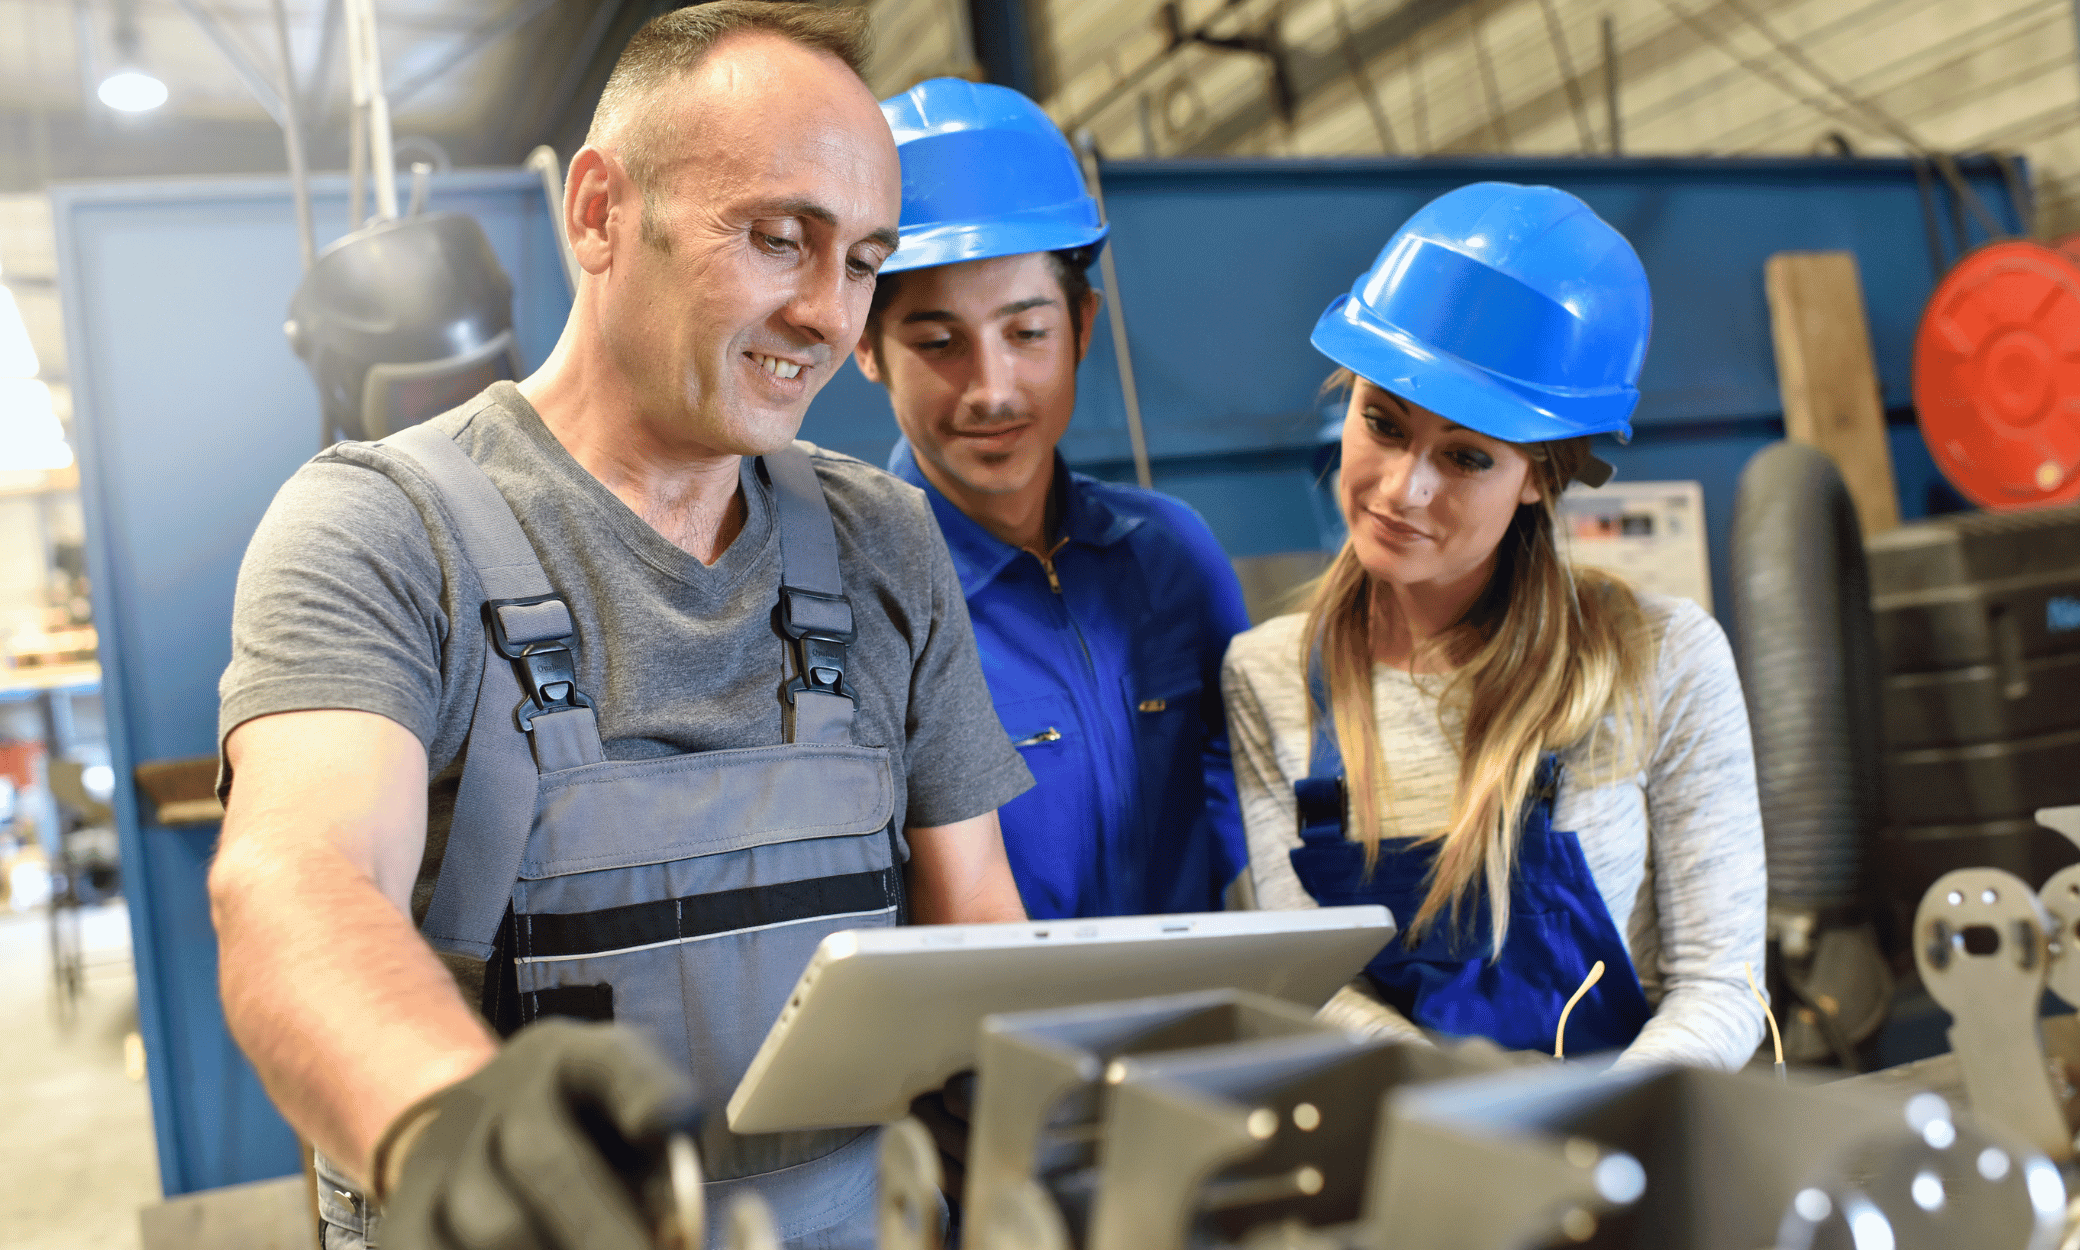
{"x":1649,"y":533}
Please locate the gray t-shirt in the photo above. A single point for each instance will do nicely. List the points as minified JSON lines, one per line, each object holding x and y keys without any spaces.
{"x":345,"y":600}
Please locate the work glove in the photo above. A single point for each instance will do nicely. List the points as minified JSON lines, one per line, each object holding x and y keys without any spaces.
{"x":550,"y":1146}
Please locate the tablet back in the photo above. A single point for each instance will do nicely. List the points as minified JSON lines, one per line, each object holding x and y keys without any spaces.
{"x":882,"y":1015}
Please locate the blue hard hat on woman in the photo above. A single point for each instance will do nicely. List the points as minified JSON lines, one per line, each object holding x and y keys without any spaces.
{"x":1514,"y":311}
{"x":1032,"y":200}
{"x":1501,"y":746}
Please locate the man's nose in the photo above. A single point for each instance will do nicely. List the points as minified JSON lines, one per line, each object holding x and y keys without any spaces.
{"x":822,"y":306}
{"x":993,"y":379}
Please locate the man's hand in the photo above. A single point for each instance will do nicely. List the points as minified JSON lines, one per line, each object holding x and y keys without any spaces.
{"x":545,"y":1148}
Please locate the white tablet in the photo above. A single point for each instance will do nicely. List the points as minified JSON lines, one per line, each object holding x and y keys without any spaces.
{"x":883,"y":1015}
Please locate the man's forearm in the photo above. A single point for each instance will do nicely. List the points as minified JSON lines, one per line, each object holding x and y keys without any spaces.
{"x":345,"y":1012}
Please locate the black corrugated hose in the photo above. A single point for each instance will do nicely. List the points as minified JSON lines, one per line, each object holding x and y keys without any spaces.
{"x":1808,"y":659}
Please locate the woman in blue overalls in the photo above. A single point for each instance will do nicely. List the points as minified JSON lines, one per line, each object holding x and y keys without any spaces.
{"x":1532,"y":765}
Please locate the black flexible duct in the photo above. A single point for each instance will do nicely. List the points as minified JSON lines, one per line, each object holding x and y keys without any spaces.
{"x":1808,"y":662}
{"x":1809,"y":666}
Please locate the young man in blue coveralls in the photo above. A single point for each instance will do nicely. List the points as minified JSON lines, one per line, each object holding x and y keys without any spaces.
{"x":1101,"y":611}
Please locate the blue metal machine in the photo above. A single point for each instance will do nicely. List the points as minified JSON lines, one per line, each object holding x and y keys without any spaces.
{"x":191,"y":411}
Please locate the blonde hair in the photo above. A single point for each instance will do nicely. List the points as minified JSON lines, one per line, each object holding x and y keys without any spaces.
{"x":1547,"y":651}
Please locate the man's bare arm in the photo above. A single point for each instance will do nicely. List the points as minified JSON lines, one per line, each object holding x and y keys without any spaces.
{"x":344,"y":1010}
{"x":958,"y":874}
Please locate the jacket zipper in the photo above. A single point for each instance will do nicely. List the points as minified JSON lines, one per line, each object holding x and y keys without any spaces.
{"x":1047,"y":564}
{"x":1049,"y":734}
{"x":1090,"y":668}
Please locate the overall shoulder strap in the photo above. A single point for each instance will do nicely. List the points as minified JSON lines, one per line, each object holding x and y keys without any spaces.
{"x":1319,"y":796}
{"x":814,"y":612}
{"x":529,"y":692}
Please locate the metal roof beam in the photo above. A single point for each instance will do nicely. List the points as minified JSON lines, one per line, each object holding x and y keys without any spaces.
{"x":255,"y":81}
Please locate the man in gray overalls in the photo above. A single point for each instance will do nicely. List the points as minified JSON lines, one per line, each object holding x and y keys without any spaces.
{"x":613,"y":693}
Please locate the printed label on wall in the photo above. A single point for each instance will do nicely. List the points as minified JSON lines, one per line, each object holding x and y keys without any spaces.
{"x":1649,"y":533}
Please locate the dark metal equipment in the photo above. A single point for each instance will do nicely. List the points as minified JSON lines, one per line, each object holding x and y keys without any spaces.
{"x":1978,"y":628}
{"x":403,"y":320}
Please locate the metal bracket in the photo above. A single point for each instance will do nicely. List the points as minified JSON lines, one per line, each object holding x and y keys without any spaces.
{"x":749,"y":1224}
{"x":2065,"y":820}
{"x":910,"y":1183}
{"x":1982,"y":944}
{"x":2061,"y":898}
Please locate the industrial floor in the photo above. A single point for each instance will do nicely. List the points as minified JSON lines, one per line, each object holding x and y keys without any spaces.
{"x":77,"y":1159}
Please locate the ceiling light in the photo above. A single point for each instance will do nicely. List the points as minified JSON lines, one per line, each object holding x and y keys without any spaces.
{"x":132,"y":91}
{"x":31,"y":439}
{"x":17,"y":354}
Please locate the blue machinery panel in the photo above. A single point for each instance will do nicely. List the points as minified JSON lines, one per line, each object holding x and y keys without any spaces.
{"x":191,"y":411}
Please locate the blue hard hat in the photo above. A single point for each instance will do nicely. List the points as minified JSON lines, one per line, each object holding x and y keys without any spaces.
{"x":1515,"y":311}
{"x":985,"y":173}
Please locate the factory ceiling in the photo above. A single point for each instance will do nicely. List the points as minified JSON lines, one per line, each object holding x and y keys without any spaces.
{"x":470,"y":82}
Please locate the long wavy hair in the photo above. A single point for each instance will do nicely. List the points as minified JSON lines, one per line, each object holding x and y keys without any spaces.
{"x":1545,"y":656}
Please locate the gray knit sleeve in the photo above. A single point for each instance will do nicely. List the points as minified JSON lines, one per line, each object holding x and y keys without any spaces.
{"x":1267,"y":735}
{"x":1709,"y":879}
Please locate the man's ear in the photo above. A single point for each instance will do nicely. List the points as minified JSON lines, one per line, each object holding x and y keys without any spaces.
{"x":1093,"y":300}
{"x":590,"y":193}
{"x":866,"y":355}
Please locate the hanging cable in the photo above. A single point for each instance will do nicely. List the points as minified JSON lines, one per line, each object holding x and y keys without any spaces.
{"x":1776,"y":1038}
{"x":1558,"y":38}
{"x":1560,"y":1034}
{"x":1355,"y":63}
{"x":1115,"y":312}
{"x":1418,"y":95}
{"x":1872,"y":114}
{"x":1496,"y":120}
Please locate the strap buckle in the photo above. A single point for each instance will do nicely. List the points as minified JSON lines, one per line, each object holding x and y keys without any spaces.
{"x":1321,"y":804}
{"x":544,"y":662}
{"x":819,"y":626}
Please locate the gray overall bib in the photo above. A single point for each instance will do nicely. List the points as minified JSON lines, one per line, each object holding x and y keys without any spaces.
{"x":680,"y":895}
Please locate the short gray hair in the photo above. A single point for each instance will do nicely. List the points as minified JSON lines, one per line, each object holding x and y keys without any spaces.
{"x":674,"y":45}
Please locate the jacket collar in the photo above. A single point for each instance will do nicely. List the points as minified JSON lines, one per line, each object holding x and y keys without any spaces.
{"x":978,"y":555}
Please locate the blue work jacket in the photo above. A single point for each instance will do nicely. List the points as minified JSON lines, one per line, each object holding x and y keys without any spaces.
{"x":1105,"y":670}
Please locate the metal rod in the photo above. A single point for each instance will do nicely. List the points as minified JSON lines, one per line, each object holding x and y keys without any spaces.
{"x":292,"y":137}
{"x":357,"y":167}
{"x":255,"y":81}
{"x":317,"y":92}
{"x":1610,"y":84}
{"x":365,"y":58}
{"x":1116,"y":313}
{"x":544,"y":161}
{"x":89,"y":81}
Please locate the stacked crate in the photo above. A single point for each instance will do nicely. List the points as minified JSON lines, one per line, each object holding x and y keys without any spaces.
{"x":1978,"y":624}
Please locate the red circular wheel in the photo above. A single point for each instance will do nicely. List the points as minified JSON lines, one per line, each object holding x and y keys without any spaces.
{"x":1997,"y":376}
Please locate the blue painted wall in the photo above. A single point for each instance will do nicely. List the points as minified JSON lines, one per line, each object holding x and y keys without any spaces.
{"x":1224,"y":267}
{"x":191,"y":410}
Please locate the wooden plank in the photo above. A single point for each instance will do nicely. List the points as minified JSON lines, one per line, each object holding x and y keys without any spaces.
{"x":1827,"y":378}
